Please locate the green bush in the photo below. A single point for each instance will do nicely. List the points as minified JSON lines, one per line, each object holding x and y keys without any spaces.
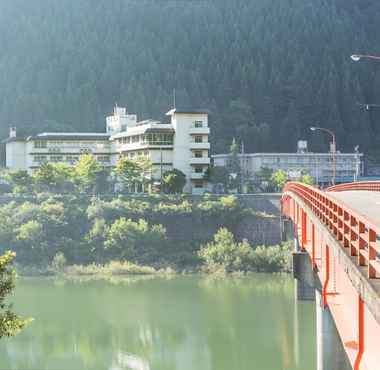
{"x":223,"y":253}
{"x":127,"y":239}
{"x":59,"y":262}
{"x":271,"y":259}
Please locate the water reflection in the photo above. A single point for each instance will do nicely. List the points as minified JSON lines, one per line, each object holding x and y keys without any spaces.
{"x":162,"y":324}
{"x":129,"y":361}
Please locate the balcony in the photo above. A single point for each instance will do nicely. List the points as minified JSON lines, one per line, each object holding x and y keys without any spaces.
{"x":202,"y":145}
{"x":199,"y":191}
{"x":197,"y":175}
{"x":204,"y":130}
{"x":200,"y":160}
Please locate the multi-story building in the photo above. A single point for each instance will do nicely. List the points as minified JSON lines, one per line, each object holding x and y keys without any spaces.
{"x":318,"y":165}
{"x":182,"y":144}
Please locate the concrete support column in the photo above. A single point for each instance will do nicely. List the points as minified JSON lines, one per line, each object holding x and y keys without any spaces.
{"x":304,"y":275}
{"x":330,"y":352}
{"x":286,"y":229}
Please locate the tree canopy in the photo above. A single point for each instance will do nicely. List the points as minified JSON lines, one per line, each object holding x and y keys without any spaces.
{"x":10,"y":323}
{"x":173,"y":181}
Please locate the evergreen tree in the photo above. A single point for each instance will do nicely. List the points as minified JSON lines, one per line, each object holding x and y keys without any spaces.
{"x":248,"y":63}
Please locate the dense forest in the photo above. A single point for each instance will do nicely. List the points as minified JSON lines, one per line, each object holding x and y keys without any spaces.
{"x":266,"y":69}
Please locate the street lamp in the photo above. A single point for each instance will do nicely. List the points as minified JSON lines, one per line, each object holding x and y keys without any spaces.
{"x":368,"y":107}
{"x":333,"y":151}
{"x":357,"y":57}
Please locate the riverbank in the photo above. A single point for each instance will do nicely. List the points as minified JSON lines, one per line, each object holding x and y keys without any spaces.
{"x":226,"y":262}
{"x":155,"y":231}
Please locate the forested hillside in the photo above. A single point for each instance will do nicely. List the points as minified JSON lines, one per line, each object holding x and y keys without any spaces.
{"x":267,"y":69}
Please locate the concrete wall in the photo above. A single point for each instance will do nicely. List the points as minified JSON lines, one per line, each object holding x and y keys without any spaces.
{"x":268,"y":203}
{"x":259,"y":230}
{"x":16,"y":155}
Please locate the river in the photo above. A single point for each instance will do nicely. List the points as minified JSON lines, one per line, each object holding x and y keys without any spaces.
{"x":179,"y":323}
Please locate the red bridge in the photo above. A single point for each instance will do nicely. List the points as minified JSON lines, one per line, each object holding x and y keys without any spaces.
{"x":339,"y":232}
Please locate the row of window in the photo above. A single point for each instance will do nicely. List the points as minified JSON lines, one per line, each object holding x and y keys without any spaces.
{"x":151,"y":139}
{"x":311,"y":160}
{"x":65,"y":144}
{"x":136,"y":154}
{"x":68,"y":158}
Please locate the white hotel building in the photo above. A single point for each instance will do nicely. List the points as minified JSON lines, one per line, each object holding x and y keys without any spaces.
{"x":182,"y":144}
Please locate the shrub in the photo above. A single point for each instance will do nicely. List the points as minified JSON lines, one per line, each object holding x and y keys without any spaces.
{"x":127,"y":239}
{"x":59,"y":262}
{"x":223,"y":253}
{"x":112,"y":268}
{"x":271,"y":259}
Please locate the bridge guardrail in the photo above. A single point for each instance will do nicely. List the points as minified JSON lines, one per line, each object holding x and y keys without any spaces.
{"x":353,"y":231}
{"x":364,"y":185}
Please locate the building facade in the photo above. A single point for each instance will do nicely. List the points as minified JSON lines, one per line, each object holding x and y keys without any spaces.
{"x":349,"y":166}
{"x":182,"y":144}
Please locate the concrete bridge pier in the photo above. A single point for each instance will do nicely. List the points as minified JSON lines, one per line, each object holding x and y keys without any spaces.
{"x":330,"y":352}
{"x":303,"y":274}
{"x":302,"y":270}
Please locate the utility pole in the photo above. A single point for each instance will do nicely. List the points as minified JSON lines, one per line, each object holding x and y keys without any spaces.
{"x":161,"y":190}
{"x":357,"y":163}
{"x":332,"y":149}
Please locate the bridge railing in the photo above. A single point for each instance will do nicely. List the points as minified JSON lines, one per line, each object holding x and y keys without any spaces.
{"x":357,"y":234}
{"x":364,"y":185}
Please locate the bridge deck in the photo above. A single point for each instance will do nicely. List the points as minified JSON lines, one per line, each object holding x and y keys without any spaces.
{"x":341,"y":232}
{"x":365,"y":203}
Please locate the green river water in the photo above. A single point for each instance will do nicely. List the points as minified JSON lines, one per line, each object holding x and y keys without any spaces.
{"x":179,"y":323}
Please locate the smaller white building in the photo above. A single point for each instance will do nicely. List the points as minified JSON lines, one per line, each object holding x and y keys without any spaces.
{"x":318,"y":165}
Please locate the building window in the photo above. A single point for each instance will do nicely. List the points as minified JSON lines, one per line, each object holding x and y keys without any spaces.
{"x":198,"y":139}
{"x":198,"y":169}
{"x":198,"y":154}
{"x":72,"y":158}
{"x":104,"y":158}
{"x":40,"y":158}
{"x":135,"y":139}
{"x":198,"y":184}
{"x":56,"y":158}
{"x":159,"y":139}
{"x":40,"y":144}
{"x":85,"y":151}
{"x":198,"y":124}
